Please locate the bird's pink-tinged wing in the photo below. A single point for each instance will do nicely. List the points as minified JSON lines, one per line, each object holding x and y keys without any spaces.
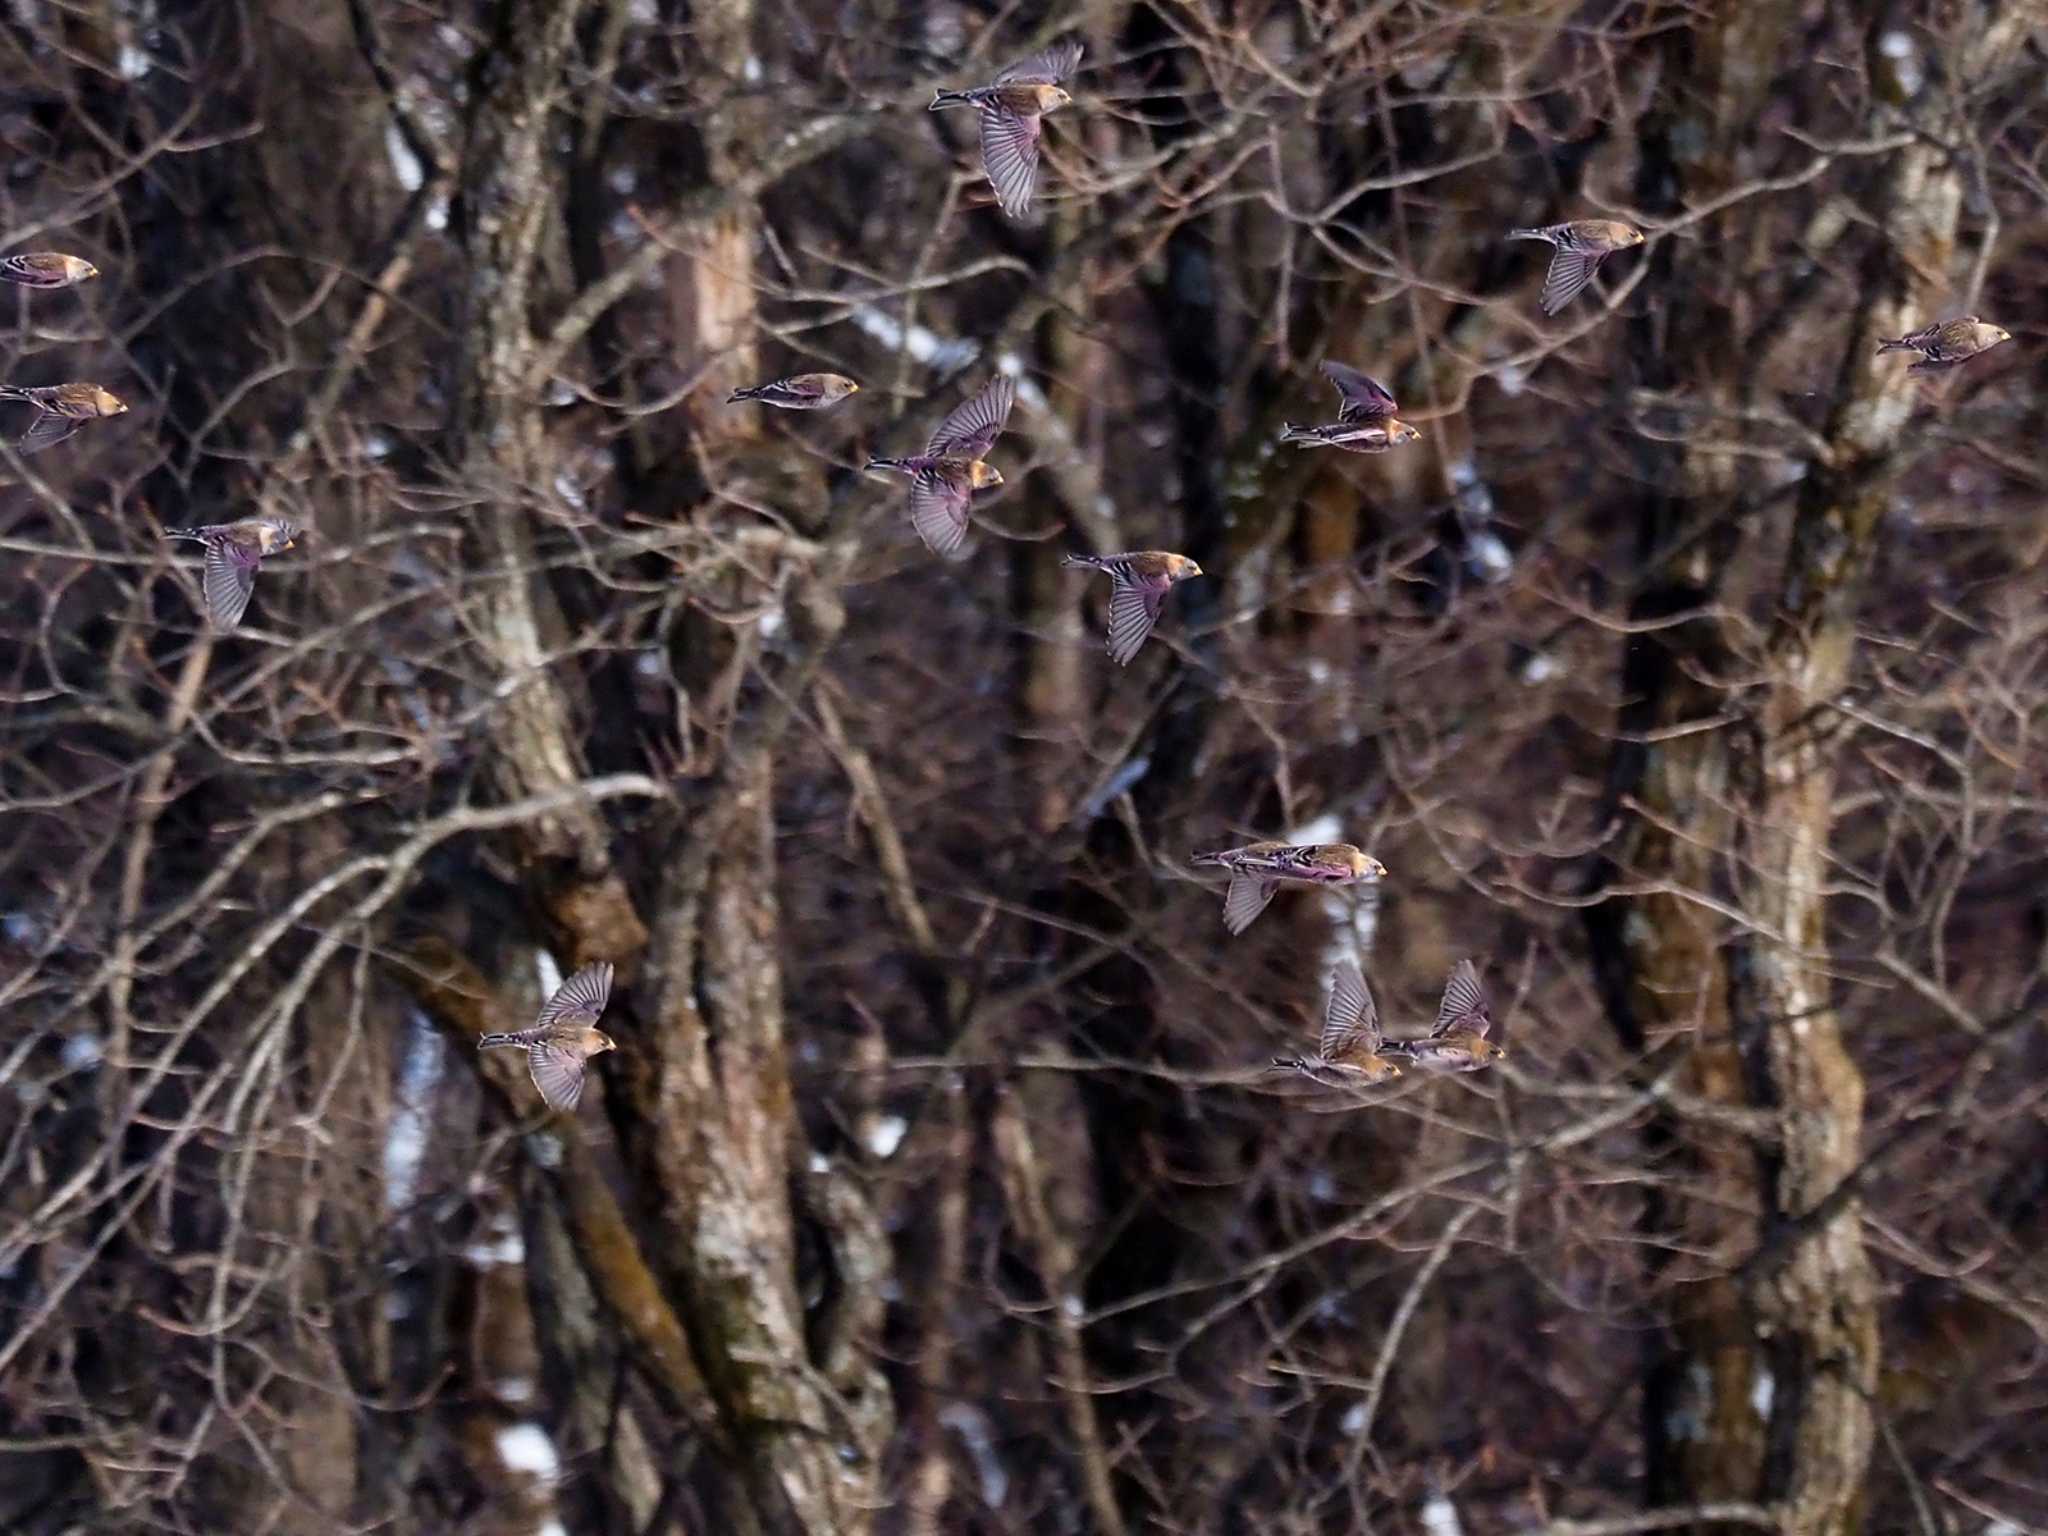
{"x":48,"y":430}
{"x":1364,"y":397}
{"x":580,"y":1000}
{"x":972,"y":427}
{"x":1049,"y":66}
{"x":1009,"y":153}
{"x":557,"y":1073}
{"x":1570,"y":271}
{"x":1245,"y":900}
{"x":1350,"y":1014}
{"x":230,"y":581}
{"x":938,"y":511}
{"x":1464,"y":1005}
{"x":1133,"y":610}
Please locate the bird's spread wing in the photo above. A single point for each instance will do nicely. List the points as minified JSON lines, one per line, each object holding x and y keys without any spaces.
{"x":1570,"y":271}
{"x":1049,"y":66}
{"x":230,"y":581}
{"x":1350,"y":1016}
{"x":938,"y":511}
{"x":1009,"y":153}
{"x":1364,"y":397}
{"x":557,"y":1073}
{"x":579,"y":1000}
{"x":1464,"y":1005}
{"x":49,"y":430}
{"x":971,"y":427}
{"x":1245,"y":900}
{"x":1133,"y":610}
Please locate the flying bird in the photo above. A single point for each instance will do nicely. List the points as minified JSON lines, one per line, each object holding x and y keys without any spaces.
{"x":564,"y":1037}
{"x":46,"y":269}
{"x":61,"y":409}
{"x":1365,"y":416}
{"x":944,"y":478}
{"x":799,"y":392}
{"x":1257,"y":869}
{"x":1458,"y":1043}
{"x":1350,"y":1045}
{"x":234,"y":551}
{"x":1947,"y":343}
{"x":1581,"y":246}
{"x":1139,"y":582}
{"x":1011,"y":108}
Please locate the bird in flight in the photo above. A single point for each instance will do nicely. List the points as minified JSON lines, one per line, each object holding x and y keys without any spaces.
{"x":1365,"y":416}
{"x":944,"y":478}
{"x":61,"y":409}
{"x":234,"y":552}
{"x":799,"y":392}
{"x":1257,"y":868}
{"x":46,"y":269}
{"x":1011,"y":108}
{"x":563,"y":1039}
{"x":1947,"y":343}
{"x":1139,"y":582}
{"x":1581,"y":246}
{"x":1349,"y":1049}
{"x":1458,"y":1043}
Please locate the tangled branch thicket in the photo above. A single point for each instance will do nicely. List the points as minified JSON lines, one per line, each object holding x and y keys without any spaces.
{"x":1689,"y":672}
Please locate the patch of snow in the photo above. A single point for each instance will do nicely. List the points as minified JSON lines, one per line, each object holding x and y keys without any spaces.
{"x":885,"y":1135}
{"x":1324,"y":829}
{"x":1489,"y":556}
{"x":1123,"y":779}
{"x":751,"y":70}
{"x":1321,"y":1186}
{"x":22,"y":929}
{"x":82,"y":1052}
{"x":1512,"y":379}
{"x":1761,"y":1392}
{"x":820,"y":1163}
{"x":1354,"y":1419}
{"x":134,"y":62}
{"x":405,"y":1143}
{"x":405,"y":165}
{"x":515,"y":1389}
{"x":527,"y":1448}
{"x":1440,"y":1516}
{"x":971,"y":1425}
{"x":547,"y":971}
{"x":1538,"y":667}
{"x":771,"y":623}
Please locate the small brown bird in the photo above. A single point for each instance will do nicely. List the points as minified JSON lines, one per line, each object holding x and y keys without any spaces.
{"x":944,"y":478}
{"x":799,"y":392}
{"x":564,"y":1037}
{"x":1257,"y":868}
{"x":1948,"y":343}
{"x":234,"y":551}
{"x":1139,"y":582}
{"x":1581,"y":246}
{"x":1458,"y":1043}
{"x":46,"y":269}
{"x":1350,"y":1044}
{"x":61,"y":410}
{"x":1011,"y":108}
{"x":1365,"y":416}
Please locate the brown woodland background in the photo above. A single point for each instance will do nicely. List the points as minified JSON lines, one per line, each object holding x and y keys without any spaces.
{"x":1691,"y":674}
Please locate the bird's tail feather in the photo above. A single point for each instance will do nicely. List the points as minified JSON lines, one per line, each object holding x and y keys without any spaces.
{"x":885,"y":464}
{"x":1205,"y":858}
{"x":184,"y":533}
{"x":1893,"y":344}
{"x":1288,"y":1064}
{"x":1528,"y":234}
{"x":1088,"y":561}
{"x":743,"y":394}
{"x":14,"y":392}
{"x":942,"y":99}
{"x":485,"y":1042}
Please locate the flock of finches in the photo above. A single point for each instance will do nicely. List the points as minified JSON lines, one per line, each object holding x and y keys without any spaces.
{"x":943,"y":479}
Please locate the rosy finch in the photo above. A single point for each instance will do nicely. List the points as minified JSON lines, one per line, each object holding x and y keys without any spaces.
{"x":1948,"y":343}
{"x":234,"y":551}
{"x":564,"y":1037}
{"x":1458,"y":1043}
{"x":46,"y":269}
{"x":799,"y":392}
{"x":1139,"y":582}
{"x":1256,"y":869}
{"x":1011,"y":108}
{"x":1365,"y":416}
{"x":1581,"y":246}
{"x":61,"y":409}
{"x":1350,"y":1044}
{"x":944,"y":478}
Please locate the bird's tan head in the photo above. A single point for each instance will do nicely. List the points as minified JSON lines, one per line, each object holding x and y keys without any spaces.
{"x":1487,"y":1051}
{"x":984,"y":475}
{"x":600,"y":1042}
{"x":836,"y":387}
{"x":1634,"y":237}
{"x":1402,"y":432}
{"x":2001,"y":333}
{"x":1051,"y":98}
{"x":1365,"y":867}
{"x":1181,"y":568}
{"x":107,"y":403}
{"x":79,"y":270}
